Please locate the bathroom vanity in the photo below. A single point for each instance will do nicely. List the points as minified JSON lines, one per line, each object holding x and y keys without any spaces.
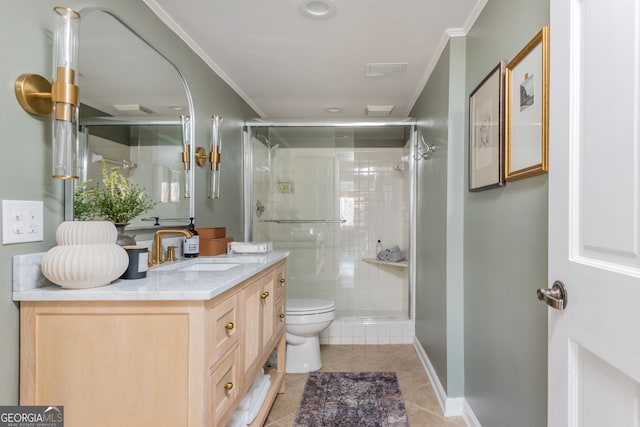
{"x":178,"y":348}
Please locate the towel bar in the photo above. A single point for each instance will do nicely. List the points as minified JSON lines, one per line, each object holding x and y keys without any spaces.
{"x":302,"y":221}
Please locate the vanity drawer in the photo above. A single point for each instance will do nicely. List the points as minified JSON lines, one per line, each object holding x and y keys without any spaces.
{"x":223,"y":328}
{"x":224,"y":387}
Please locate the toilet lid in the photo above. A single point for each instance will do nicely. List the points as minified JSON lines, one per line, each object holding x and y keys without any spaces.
{"x":309,"y":305}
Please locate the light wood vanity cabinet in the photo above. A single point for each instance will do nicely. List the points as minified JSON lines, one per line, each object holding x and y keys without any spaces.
{"x":154,"y":363}
{"x":279,"y":312}
{"x":265,"y":309}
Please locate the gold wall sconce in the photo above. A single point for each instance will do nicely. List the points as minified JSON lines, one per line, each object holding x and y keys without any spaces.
{"x":213,"y":157}
{"x":40,"y":97}
{"x":201,"y":156}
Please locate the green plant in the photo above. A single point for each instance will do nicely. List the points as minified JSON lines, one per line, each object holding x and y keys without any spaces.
{"x":114,"y":199}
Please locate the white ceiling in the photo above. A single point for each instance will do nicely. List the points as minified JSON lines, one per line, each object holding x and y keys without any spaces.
{"x":289,"y":65}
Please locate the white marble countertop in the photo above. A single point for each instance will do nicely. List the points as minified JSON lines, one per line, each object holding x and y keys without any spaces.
{"x":185,"y":279}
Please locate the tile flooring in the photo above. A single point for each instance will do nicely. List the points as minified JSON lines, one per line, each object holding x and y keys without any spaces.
{"x":420,"y":399}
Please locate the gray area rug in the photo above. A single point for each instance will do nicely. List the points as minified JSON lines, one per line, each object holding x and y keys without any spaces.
{"x":352,"y":399}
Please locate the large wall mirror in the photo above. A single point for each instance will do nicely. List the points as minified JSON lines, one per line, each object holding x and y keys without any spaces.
{"x":131,"y":102}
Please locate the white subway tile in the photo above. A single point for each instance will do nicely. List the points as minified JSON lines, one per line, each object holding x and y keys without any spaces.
{"x":371,"y":340}
{"x":384,"y":339}
{"x":358,"y":331}
{"x":371,"y":330}
{"x":347,"y":340}
{"x":396,"y":340}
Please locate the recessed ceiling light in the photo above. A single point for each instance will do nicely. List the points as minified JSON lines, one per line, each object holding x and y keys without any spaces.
{"x":176,"y":108}
{"x":317,"y":8}
{"x":334,"y":109}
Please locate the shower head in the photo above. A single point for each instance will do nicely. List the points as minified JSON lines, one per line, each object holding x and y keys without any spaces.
{"x":262,"y":138}
{"x":265,"y":140}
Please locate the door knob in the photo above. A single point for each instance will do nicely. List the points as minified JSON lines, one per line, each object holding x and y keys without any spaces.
{"x":555,"y":297}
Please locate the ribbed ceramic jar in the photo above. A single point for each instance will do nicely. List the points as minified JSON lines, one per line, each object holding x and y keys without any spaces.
{"x":86,"y":233}
{"x":87,"y":255}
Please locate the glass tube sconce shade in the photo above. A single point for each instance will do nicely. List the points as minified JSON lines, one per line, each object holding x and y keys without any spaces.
{"x":60,"y":97}
{"x":185,"y":121}
{"x":64,"y":94}
{"x":214,"y":157}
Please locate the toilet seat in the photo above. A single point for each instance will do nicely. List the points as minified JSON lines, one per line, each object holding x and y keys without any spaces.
{"x":309,"y":306}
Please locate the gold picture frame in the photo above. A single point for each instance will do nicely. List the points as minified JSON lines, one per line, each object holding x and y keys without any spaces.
{"x":527,"y":110}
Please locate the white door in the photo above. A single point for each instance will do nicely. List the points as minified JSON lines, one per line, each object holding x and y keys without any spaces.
{"x":594,"y":213}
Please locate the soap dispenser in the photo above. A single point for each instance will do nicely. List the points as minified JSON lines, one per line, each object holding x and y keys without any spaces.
{"x":191,"y":246}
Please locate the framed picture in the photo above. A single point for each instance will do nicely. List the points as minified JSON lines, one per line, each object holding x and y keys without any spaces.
{"x":486,"y":136}
{"x":527,"y":110}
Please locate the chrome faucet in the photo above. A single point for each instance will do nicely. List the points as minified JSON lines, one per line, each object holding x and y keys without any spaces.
{"x":156,"y":248}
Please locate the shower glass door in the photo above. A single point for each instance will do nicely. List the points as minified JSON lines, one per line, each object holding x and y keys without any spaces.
{"x":328,"y":194}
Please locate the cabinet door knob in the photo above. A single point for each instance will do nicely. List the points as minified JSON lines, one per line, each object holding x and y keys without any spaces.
{"x":228,"y":386}
{"x":264,"y":295}
{"x":281,"y":316}
{"x":282,"y":280}
{"x":229,"y":326}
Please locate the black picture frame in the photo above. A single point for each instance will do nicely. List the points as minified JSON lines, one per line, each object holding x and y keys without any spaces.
{"x":486,"y":131}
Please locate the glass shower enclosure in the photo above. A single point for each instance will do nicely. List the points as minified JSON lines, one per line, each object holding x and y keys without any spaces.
{"x":332,"y":194}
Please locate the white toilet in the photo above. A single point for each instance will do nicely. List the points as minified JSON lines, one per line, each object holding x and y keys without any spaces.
{"x":306,"y":318}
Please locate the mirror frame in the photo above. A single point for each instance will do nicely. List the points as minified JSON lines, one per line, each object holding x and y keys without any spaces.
{"x":69,"y":185}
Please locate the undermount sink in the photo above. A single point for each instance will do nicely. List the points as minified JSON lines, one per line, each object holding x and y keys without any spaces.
{"x":209,"y":267}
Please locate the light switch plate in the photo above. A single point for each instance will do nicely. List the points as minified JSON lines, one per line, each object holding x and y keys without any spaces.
{"x":22,"y":221}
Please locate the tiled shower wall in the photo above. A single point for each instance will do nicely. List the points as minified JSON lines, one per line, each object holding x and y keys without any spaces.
{"x":367,"y":189}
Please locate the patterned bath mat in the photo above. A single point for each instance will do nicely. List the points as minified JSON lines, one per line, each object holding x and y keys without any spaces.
{"x":352,"y":399}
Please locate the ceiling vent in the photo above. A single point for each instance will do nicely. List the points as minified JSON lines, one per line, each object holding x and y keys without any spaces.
{"x":378,"y":110}
{"x":133,"y":109}
{"x":385,"y":69}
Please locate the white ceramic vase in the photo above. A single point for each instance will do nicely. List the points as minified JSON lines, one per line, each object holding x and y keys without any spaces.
{"x":87,"y":255}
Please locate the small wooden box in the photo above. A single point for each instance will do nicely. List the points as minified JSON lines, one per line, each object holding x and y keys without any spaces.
{"x":212,"y":232}
{"x":210,"y":247}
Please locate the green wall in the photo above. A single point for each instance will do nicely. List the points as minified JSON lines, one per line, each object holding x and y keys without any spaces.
{"x":25,"y":170}
{"x":494,"y":242}
{"x":431,"y":111}
{"x":505,"y":255}
{"x":456,"y":186}
{"x":439,"y":271}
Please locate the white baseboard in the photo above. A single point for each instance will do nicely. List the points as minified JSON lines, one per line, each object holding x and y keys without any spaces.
{"x":468,"y":415}
{"x":451,"y":406}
